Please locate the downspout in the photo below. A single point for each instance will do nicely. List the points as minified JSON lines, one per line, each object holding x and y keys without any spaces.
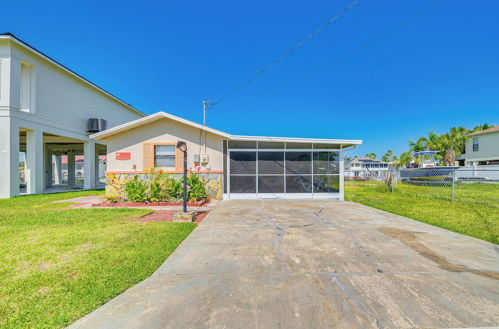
{"x":342,"y":175}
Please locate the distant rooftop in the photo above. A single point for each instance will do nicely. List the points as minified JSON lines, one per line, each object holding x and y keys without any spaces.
{"x":366,"y":160}
{"x":494,"y":129}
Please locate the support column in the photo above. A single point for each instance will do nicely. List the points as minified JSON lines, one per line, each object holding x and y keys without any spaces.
{"x":9,"y":158}
{"x":89,"y":165}
{"x":34,"y":162}
{"x":57,"y":170}
{"x":97,"y":166}
{"x":342,"y":177}
{"x":48,"y":167}
{"x":71,"y":169}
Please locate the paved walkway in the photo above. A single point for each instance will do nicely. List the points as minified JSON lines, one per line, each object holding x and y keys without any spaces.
{"x":89,"y":201}
{"x":313,"y":264}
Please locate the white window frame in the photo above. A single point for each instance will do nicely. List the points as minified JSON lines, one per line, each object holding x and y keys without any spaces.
{"x":475,"y":139}
{"x":27,"y":88}
{"x":174,"y":153}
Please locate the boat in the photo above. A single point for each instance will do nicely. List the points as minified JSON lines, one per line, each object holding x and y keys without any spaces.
{"x":428,"y":170}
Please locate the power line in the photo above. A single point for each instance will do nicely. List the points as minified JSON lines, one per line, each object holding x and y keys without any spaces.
{"x":342,"y":57}
{"x":286,"y":54}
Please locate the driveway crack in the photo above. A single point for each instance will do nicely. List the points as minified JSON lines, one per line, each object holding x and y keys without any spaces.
{"x":355,"y":300}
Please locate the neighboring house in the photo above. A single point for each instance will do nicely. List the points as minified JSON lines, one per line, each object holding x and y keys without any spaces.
{"x":367,"y":168}
{"x":482,"y":148}
{"x":232,"y":166}
{"x":44,"y":111}
{"x":60,"y":170}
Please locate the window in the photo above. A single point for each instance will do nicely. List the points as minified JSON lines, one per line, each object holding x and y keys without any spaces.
{"x":27,"y":88}
{"x":164,"y":155}
{"x":475,"y":144}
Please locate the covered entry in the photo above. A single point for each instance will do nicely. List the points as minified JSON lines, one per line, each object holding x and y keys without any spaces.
{"x":283,"y":169}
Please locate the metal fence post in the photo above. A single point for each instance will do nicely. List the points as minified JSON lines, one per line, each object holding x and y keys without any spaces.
{"x":453,"y":179}
{"x":393,"y":180}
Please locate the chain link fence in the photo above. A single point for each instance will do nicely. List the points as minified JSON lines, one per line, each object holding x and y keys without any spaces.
{"x":475,"y":185}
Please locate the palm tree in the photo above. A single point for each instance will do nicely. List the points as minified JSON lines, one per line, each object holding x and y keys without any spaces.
{"x":418,"y":145}
{"x":371,"y":155}
{"x":405,"y":159}
{"x":433,"y":141}
{"x":388,"y":156}
{"x":452,"y":144}
{"x":482,"y":127}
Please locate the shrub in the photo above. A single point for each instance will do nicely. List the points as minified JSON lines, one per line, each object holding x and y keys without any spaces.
{"x":173,"y":188}
{"x":196,"y":190}
{"x":136,"y":190}
{"x":163,"y":188}
{"x":157,"y":189}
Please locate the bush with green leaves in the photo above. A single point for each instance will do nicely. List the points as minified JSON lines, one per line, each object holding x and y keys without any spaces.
{"x":196,"y":189}
{"x":136,"y":190}
{"x":174,"y":188}
{"x":163,"y":188}
{"x":157,"y":190}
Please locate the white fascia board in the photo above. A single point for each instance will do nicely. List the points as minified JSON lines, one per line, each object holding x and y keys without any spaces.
{"x":296,"y":140}
{"x":153,"y":117}
{"x":489,"y":158}
{"x":74,"y":74}
{"x":163,"y":115}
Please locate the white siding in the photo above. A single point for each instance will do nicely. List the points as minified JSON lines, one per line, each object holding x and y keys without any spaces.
{"x":62,"y":100}
{"x":488,"y":147}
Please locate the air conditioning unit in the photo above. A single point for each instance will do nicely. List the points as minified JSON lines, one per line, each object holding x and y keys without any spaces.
{"x":95,"y":125}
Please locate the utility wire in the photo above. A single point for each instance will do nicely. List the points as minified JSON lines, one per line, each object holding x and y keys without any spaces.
{"x":342,"y":57}
{"x":286,"y":54}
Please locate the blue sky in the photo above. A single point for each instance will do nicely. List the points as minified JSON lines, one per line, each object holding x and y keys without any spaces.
{"x":440,"y":70}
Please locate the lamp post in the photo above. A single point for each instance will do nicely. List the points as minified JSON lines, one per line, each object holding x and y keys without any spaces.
{"x":182,"y":146}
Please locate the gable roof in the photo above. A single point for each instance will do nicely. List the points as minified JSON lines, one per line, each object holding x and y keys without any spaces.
{"x":151,"y":118}
{"x":163,"y":115}
{"x":16,"y":40}
{"x":494,"y":129}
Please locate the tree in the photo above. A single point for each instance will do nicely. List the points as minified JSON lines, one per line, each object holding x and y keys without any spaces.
{"x":405,"y":159}
{"x":388,"y":156}
{"x":347,"y":158}
{"x":418,"y":145}
{"x":452,"y":144}
{"x":482,"y":127}
{"x":371,"y":155}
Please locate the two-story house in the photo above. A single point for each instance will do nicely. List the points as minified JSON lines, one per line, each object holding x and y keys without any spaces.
{"x":367,"y":167}
{"x":44,"y":113}
{"x":482,"y":148}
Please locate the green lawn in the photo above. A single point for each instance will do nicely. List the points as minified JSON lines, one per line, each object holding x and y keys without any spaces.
{"x":57,"y":265}
{"x":480,"y":220}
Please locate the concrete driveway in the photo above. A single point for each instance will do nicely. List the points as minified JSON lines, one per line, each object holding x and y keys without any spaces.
{"x":313,"y":264}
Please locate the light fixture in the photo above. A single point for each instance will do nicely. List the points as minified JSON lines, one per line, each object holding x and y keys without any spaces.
{"x":182,"y":146}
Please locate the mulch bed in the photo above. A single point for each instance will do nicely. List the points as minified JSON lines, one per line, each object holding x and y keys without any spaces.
{"x":167,"y":216}
{"x":149,"y":204}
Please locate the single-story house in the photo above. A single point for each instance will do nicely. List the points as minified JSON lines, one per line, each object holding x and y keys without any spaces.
{"x":232,"y":166}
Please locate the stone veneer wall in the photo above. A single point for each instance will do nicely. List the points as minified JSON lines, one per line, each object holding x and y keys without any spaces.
{"x":115,"y":183}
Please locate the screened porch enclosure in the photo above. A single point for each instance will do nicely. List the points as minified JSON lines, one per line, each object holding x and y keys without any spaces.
{"x":282,"y":169}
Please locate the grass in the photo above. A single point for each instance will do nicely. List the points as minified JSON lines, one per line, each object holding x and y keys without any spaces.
{"x":479,"y":220}
{"x":56,"y":265}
